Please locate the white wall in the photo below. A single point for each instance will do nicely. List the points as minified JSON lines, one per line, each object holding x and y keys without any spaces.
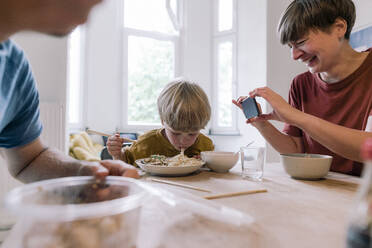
{"x":364,"y":10}
{"x":102,"y":89}
{"x":48,"y":59}
{"x":281,"y":69}
{"x":263,"y":61}
{"x":251,"y":67}
{"x":198,"y":51}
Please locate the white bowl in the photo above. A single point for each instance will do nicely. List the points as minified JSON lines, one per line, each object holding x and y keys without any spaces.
{"x":306,"y":166}
{"x":220,"y":161}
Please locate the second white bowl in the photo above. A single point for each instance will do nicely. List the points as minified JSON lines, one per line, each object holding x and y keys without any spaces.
{"x":220,"y":161}
{"x":306,"y":166}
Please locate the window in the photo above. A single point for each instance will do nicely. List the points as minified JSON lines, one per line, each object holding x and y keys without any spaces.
{"x":225,"y":15}
{"x":151,"y":37}
{"x":150,"y":67}
{"x":224,"y":77}
{"x":224,"y":67}
{"x":134,"y":47}
{"x":74,"y":78}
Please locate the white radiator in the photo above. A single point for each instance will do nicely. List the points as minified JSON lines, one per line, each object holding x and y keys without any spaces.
{"x":52,"y":115}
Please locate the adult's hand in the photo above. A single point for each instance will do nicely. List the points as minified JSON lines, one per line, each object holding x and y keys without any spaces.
{"x":105,"y":168}
{"x":282,"y":111}
{"x":254,"y":120}
{"x":281,"y":142}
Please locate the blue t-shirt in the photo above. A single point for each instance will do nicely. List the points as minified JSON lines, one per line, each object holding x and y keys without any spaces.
{"x":19,"y":98}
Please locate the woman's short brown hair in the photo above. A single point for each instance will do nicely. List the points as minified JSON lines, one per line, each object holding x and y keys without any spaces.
{"x":303,"y":15}
{"x":184,"y":106}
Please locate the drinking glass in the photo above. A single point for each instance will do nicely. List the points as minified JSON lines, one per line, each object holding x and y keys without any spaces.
{"x":252,"y":160}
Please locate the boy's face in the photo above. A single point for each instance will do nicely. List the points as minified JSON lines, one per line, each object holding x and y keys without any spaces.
{"x":181,"y":140}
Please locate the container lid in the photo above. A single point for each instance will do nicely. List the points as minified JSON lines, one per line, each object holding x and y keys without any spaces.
{"x":367,"y":149}
{"x":72,"y":198}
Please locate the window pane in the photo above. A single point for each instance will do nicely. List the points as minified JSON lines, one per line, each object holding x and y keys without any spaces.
{"x":148,"y":15}
{"x":225,"y":84}
{"x":74,"y":76}
{"x":173,"y":4}
{"x":225,"y":15}
{"x":150,"y":68}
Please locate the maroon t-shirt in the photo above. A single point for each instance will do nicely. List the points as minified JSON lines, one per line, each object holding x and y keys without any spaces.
{"x":347,"y":103}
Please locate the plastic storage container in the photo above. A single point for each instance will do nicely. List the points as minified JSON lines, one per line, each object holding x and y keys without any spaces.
{"x":76,"y":212}
{"x":360,"y":228}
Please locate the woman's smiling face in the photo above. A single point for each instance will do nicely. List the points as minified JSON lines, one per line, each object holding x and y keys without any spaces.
{"x":319,"y":50}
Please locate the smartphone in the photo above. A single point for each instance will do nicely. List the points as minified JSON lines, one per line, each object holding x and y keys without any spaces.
{"x":250,"y":108}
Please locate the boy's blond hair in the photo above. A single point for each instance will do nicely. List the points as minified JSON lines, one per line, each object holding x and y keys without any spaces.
{"x":184,"y":106}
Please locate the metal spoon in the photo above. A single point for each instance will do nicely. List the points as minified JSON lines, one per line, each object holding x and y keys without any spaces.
{"x":250,"y":143}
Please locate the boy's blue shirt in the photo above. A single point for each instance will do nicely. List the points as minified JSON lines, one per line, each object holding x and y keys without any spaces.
{"x":19,"y":98}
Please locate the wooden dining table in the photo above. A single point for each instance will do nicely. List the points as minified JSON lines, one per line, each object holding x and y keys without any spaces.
{"x":292,"y":213}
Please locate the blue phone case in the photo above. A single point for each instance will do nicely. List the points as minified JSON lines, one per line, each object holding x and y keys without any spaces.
{"x":250,"y":108}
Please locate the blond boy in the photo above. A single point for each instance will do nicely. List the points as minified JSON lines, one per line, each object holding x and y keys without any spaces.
{"x":184,"y":110}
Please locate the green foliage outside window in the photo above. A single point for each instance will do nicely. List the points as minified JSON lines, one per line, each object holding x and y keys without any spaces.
{"x":150,"y":68}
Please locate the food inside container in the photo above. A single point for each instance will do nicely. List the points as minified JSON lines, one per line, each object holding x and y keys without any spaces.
{"x":178,"y":160}
{"x":76,"y":212}
{"x":161,"y":165}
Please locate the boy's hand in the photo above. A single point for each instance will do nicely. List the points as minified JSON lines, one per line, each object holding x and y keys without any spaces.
{"x":114,"y":144}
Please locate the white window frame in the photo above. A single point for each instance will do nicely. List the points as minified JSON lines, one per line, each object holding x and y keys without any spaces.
{"x":218,"y":38}
{"x":126,"y":33}
{"x":72,"y":127}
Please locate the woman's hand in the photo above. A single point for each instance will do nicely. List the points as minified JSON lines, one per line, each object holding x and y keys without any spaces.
{"x":282,"y":111}
{"x":254,"y":120}
{"x":114,"y":144}
{"x":238,"y":102}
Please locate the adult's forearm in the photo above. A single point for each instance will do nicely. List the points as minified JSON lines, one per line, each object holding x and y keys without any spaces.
{"x":50,"y":163}
{"x":341,"y":140}
{"x":281,"y":142}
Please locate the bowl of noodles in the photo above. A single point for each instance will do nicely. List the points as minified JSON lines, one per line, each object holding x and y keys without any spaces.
{"x":161,"y":165}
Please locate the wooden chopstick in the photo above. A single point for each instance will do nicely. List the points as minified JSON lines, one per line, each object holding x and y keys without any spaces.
{"x":90,"y":131}
{"x":180,"y":185}
{"x":209,"y":197}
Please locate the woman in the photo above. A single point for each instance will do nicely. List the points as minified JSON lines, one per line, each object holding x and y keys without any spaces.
{"x":330,"y":106}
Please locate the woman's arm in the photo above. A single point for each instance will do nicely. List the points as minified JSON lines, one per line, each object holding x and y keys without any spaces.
{"x":281,"y":142}
{"x":341,"y":140}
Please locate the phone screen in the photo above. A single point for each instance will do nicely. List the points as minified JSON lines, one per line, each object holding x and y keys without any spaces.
{"x":250,"y":108}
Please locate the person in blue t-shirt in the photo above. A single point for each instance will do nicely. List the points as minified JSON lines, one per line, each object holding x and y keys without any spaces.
{"x":27,"y":157}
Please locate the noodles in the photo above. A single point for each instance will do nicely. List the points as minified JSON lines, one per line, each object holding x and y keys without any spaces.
{"x":176,"y":161}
